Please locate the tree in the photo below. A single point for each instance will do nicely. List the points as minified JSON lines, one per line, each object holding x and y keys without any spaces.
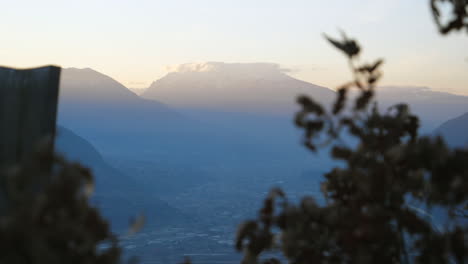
{"x":458,"y":19}
{"x":53,"y":222}
{"x":379,"y":204}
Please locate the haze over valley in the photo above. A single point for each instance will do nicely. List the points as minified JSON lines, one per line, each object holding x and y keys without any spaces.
{"x":234,"y":131}
{"x":200,"y":143}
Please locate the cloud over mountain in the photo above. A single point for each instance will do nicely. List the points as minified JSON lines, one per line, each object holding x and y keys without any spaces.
{"x":244,"y":87}
{"x":247,"y":69}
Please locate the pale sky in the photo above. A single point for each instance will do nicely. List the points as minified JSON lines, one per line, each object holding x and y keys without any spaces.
{"x":134,"y":40}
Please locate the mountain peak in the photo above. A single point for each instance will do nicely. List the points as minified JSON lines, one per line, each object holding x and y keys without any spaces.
{"x":251,"y":87}
{"x":87,"y":84}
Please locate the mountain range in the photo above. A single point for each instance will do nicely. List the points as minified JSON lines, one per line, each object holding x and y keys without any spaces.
{"x":264,"y":88}
{"x":433,"y":107}
{"x":236,"y":87}
{"x":206,"y":121}
{"x":120,"y":196}
{"x":104,"y":111}
{"x":199,"y":147}
{"x":455,"y":131}
{"x":214,"y":110}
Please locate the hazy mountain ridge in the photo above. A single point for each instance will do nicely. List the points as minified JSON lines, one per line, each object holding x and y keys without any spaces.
{"x":247,"y":118}
{"x":142,"y":126}
{"x":76,"y":148}
{"x":455,"y":131}
{"x":206,"y":152}
{"x":89,"y":85}
{"x":241,"y":87}
{"x":242,"y":143}
{"x":433,"y":107}
{"x":265,"y":88}
{"x":137,"y":91}
{"x":209,"y":101}
{"x":104,"y":111}
{"x":120,"y":196}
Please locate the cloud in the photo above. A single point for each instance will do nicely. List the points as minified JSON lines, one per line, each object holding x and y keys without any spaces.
{"x":240,"y":68}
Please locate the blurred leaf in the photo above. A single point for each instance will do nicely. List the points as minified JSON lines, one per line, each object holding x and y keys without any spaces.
{"x":348,"y":46}
{"x":136,"y":224}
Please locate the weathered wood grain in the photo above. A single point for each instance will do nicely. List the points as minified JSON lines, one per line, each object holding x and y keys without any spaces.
{"x":28,"y":110}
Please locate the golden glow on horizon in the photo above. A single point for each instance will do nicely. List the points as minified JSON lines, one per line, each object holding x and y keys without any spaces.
{"x":133,"y":41}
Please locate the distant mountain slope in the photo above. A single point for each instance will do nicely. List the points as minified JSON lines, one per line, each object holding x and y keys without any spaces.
{"x":127,"y":125}
{"x":245,"y":110}
{"x":239,"y":87}
{"x":431,"y":106}
{"x":118,"y":122}
{"x":455,"y":131}
{"x":76,"y":148}
{"x":94,"y":104}
{"x":137,"y":91}
{"x":88,"y":85}
{"x":266,"y":88}
{"x":119,"y":195}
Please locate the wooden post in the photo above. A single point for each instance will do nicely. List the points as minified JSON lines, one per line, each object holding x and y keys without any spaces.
{"x":28,"y":110}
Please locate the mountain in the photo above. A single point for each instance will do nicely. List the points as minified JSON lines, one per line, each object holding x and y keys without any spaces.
{"x":455,"y":131}
{"x":119,"y":196}
{"x":76,"y":148}
{"x":122,"y":125}
{"x":88,"y":86}
{"x":137,"y":91}
{"x":246,"y":109}
{"x":117,"y":121}
{"x":431,"y":106}
{"x":264,"y":88}
{"x":104,"y":111}
{"x":234,"y":87}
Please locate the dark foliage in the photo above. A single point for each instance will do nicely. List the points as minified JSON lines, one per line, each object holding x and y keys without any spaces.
{"x":49,"y":219}
{"x":377,"y":203}
{"x":458,"y":18}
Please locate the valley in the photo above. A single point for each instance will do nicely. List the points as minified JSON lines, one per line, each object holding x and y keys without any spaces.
{"x":198,"y":166}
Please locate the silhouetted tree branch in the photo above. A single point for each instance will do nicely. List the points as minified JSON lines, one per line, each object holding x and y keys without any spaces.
{"x":53,"y":222}
{"x":458,"y":19}
{"x":377,"y":204}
